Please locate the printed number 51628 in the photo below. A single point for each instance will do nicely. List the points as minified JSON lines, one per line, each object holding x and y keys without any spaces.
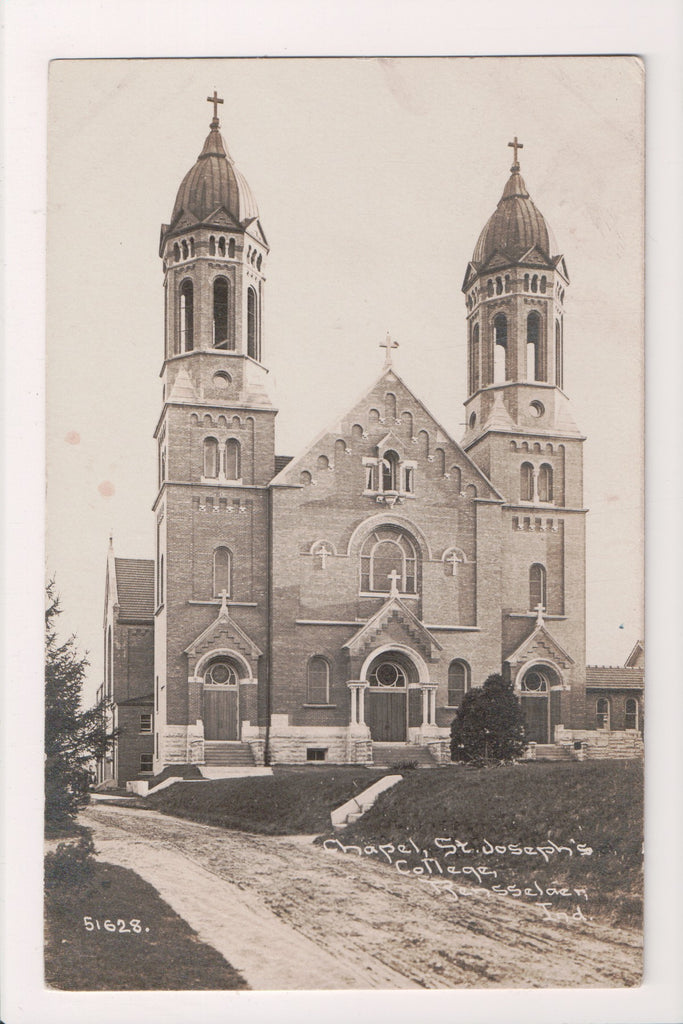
{"x":134,"y":926}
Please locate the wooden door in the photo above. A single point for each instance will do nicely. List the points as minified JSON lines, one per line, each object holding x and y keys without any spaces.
{"x":220,"y":713}
{"x":536,"y":714}
{"x":385,"y":714}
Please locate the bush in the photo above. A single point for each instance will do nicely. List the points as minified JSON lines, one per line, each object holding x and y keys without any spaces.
{"x":489,"y":725}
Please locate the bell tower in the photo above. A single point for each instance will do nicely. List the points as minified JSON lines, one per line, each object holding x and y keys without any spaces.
{"x":520,"y":431}
{"x":216,"y":451}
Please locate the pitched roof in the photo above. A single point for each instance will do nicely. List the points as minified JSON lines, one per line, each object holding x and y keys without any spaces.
{"x":614,"y":677}
{"x":135,"y":587}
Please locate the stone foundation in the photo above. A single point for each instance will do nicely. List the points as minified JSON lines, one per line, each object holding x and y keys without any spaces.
{"x":594,"y":744}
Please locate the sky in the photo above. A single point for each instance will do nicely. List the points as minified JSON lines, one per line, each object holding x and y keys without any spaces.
{"x":374,"y":178}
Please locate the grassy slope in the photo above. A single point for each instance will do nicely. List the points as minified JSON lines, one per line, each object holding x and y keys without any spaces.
{"x":292,"y":801}
{"x":168,"y":956}
{"x":596,"y":803}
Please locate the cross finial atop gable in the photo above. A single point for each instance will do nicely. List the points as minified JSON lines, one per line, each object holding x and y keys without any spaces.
{"x":539,"y":609}
{"x":224,"y":602}
{"x":394,"y":577}
{"x":388,"y":344}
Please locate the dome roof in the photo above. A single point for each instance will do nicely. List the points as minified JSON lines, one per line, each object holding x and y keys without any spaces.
{"x":214,"y":181}
{"x":515,"y":227}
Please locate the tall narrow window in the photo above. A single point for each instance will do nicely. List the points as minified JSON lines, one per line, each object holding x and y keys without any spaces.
{"x":222,"y":566}
{"x":545,"y":483}
{"x":318,"y":682}
{"x":210,"y":457}
{"x":252,"y":325}
{"x":602,"y":713}
{"x":212,"y":246}
{"x":221,"y":246}
{"x":231,"y":248}
{"x":161,"y":579}
{"x":558,"y":355}
{"x":631,"y":714}
{"x":534,"y":361}
{"x":526,"y":482}
{"x":220,"y":313}
{"x":537,"y":586}
{"x":186,"y":316}
{"x":458,"y":677}
{"x":390,"y":471}
{"x":232,"y":459}
{"x":500,"y":344}
{"x":475,"y":358}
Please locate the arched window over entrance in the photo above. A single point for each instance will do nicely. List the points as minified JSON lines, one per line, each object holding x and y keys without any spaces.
{"x":221,"y":296}
{"x":458,"y":682}
{"x":186,"y":316}
{"x":540,"y":699}
{"x":221,"y":699}
{"x":389,"y":553}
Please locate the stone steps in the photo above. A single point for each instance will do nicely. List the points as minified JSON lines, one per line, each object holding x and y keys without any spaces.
{"x":553,"y":752}
{"x":386,"y":755}
{"x":228,"y":754}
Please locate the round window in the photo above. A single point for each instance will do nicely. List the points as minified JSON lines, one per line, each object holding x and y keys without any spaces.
{"x":387,"y":674}
{"x":536,"y":409}
{"x":222,"y":379}
{"x":221,"y":673}
{"x":534,"y":682}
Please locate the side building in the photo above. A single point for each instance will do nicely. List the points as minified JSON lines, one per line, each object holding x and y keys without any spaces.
{"x":128,"y":684}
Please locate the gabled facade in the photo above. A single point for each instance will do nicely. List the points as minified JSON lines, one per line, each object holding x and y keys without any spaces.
{"x":317,"y":607}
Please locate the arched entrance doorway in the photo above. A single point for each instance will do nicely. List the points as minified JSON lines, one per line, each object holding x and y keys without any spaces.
{"x":386,"y":708}
{"x":221,"y":699}
{"x":539,"y":692}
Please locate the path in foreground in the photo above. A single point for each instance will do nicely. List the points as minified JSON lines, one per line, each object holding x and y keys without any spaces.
{"x":289,"y":915}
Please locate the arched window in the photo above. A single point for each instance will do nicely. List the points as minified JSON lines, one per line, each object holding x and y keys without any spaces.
{"x":558,"y":355}
{"x":233,"y":469}
{"x":526,"y":482}
{"x":534,"y":283}
{"x":602,"y":710}
{"x":222,"y":568}
{"x":390,"y":471}
{"x":508,"y":284}
{"x":534,"y":361}
{"x":221,"y":672}
{"x":500,"y":344}
{"x":176,"y":253}
{"x":545,"y":483}
{"x":499,"y":286}
{"x":212,"y":246}
{"x":388,"y":553}
{"x":537,"y":586}
{"x":186,"y":316}
{"x":318,"y":683}
{"x":221,"y":246}
{"x":458,"y":679}
{"x":543,"y":285}
{"x":231,"y":248}
{"x":631,"y":714}
{"x":161,"y":580}
{"x":220,"y":313}
{"x":475,"y":358}
{"x":184,"y":248}
{"x":210,"y":457}
{"x":252,"y":325}
{"x":526,"y":282}
{"x":489,"y":288}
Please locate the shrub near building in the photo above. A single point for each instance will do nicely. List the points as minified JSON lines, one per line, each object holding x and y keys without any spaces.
{"x":489,"y":724}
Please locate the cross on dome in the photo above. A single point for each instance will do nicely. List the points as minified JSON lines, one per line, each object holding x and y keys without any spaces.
{"x":388,"y":344}
{"x":516,"y":145}
{"x":215,"y":99}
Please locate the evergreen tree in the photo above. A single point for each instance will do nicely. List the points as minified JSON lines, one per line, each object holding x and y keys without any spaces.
{"x":74,"y":737}
{"x":489,"y":724}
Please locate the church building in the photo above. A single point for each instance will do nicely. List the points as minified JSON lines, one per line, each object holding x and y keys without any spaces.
{"x":336,"y":606}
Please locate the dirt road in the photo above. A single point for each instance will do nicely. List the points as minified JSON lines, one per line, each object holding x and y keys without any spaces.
{"x":290,"y":915}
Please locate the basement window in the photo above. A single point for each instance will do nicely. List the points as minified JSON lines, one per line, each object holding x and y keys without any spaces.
{"x":316,"y":753}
